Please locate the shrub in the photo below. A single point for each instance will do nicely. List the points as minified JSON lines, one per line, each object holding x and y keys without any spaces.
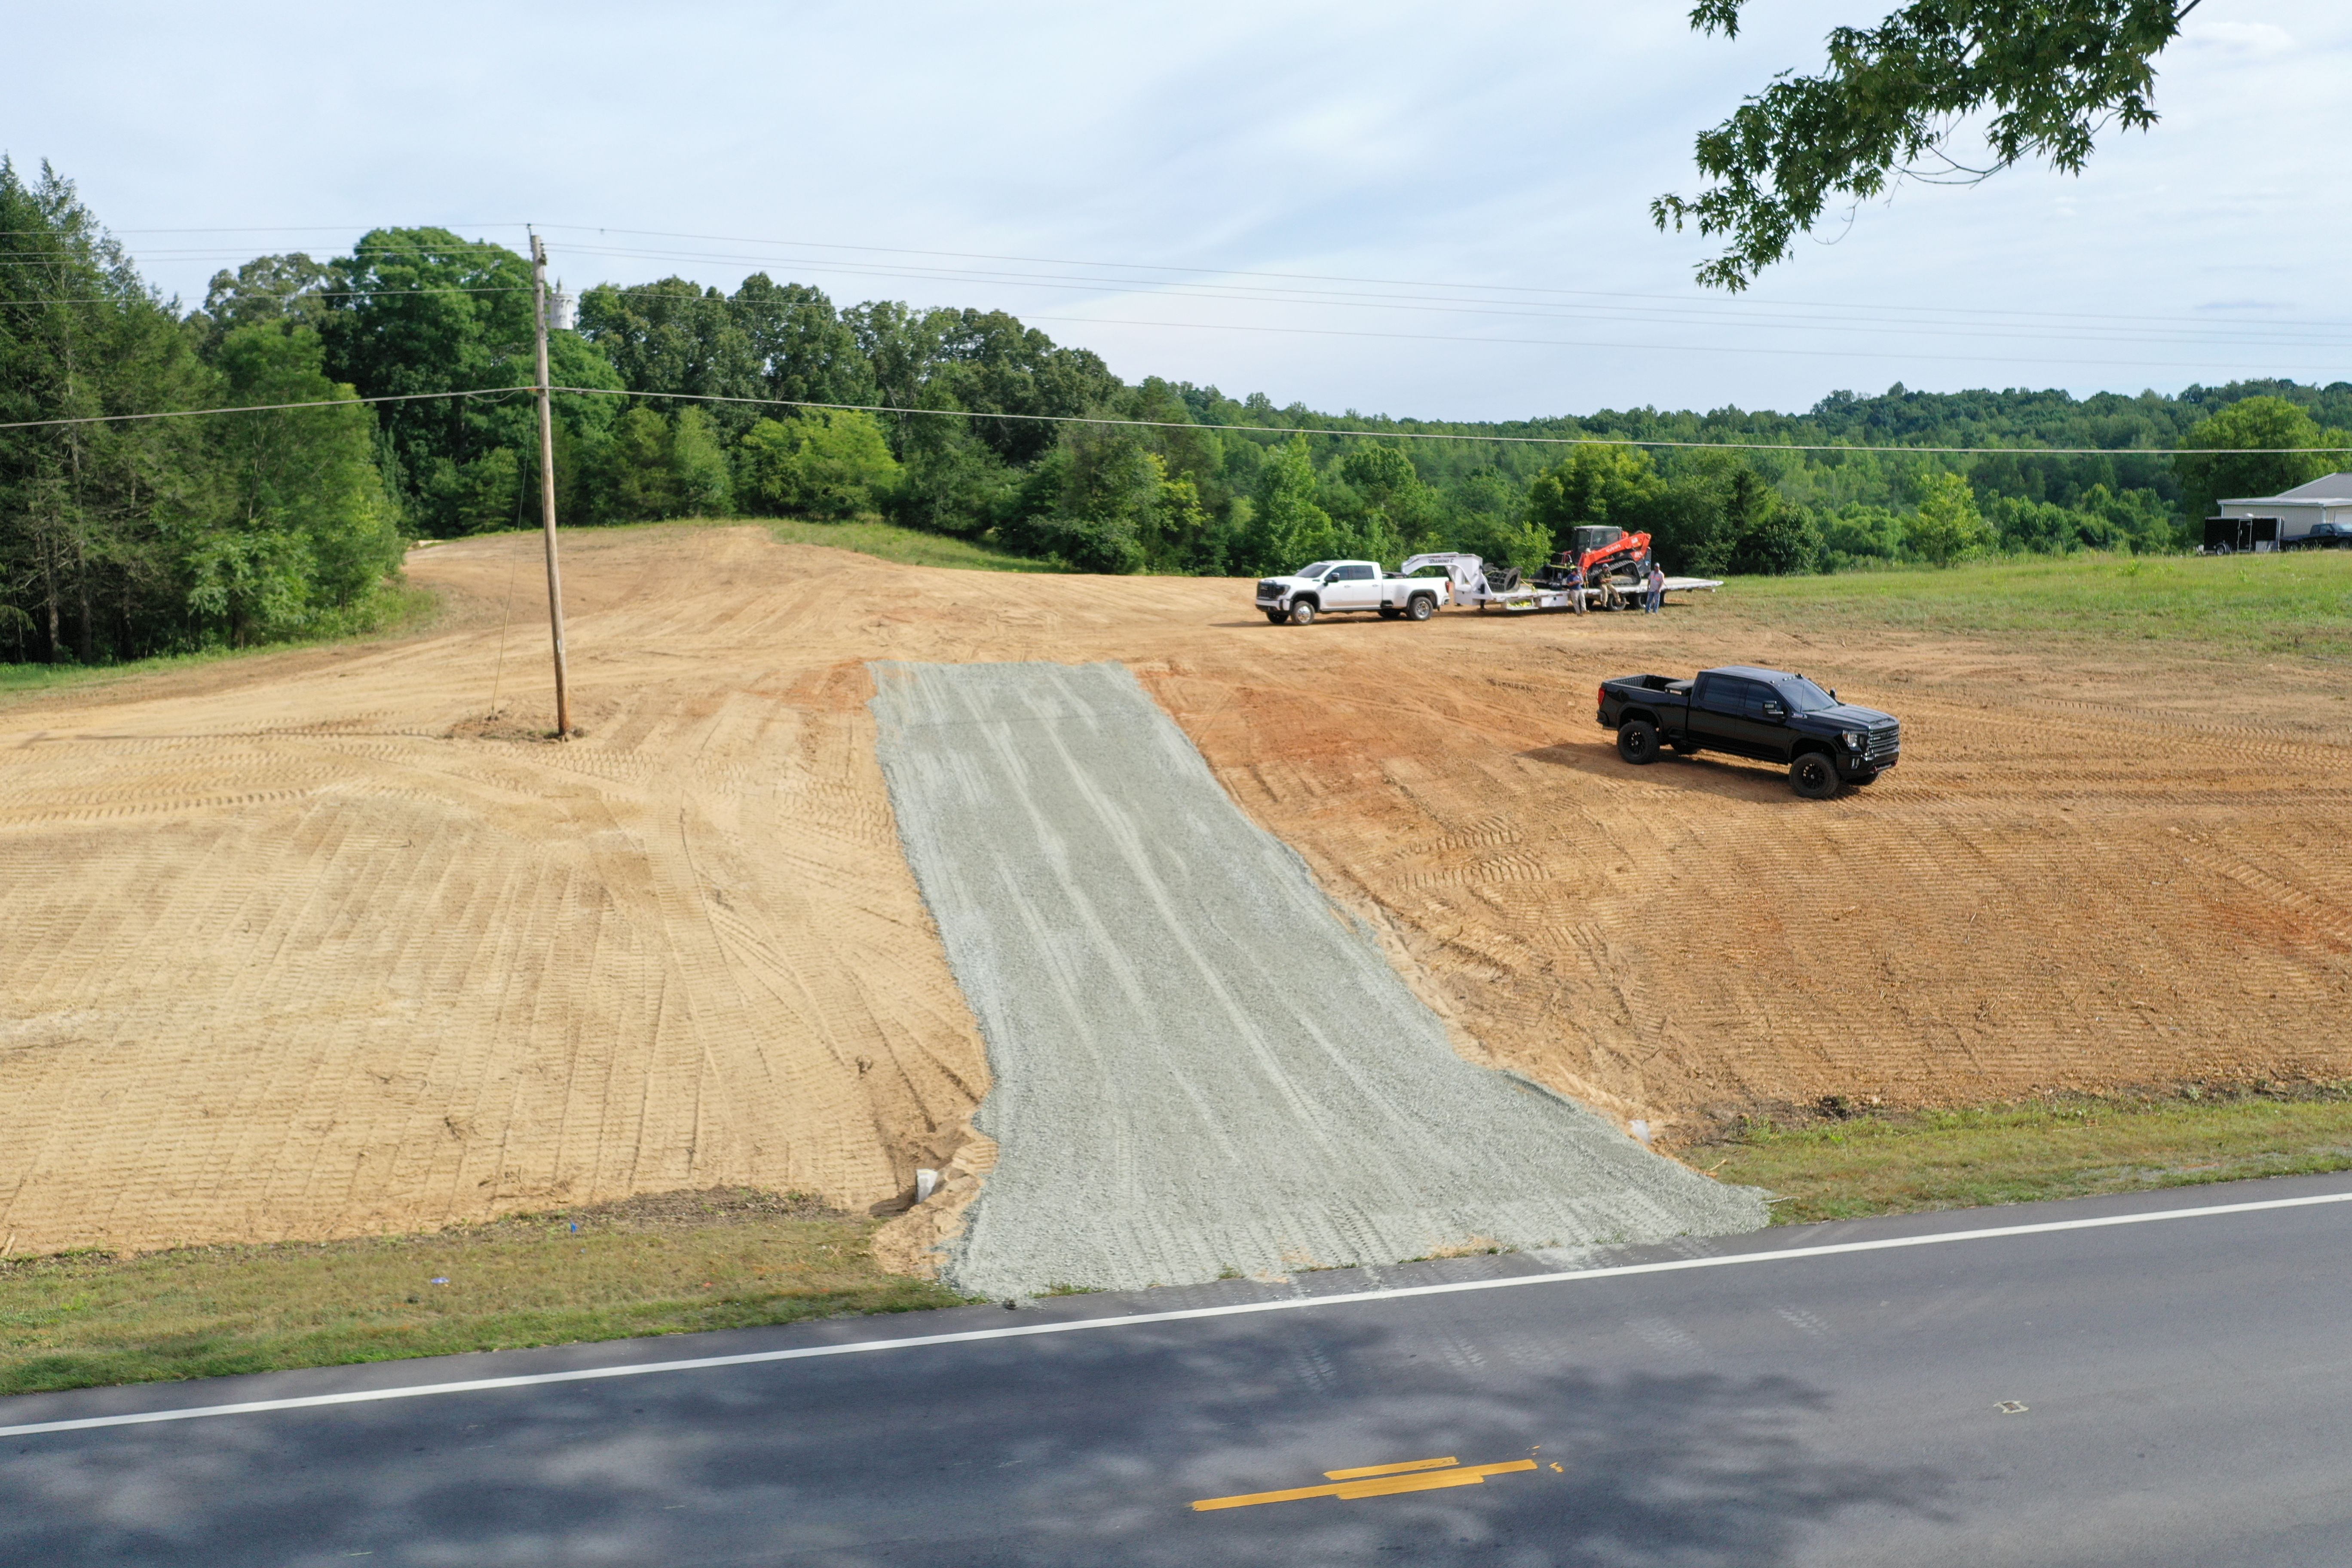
{"x":825,"y":463}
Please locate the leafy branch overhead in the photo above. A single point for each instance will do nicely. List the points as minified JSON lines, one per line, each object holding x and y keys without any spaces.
{"x":2054,"y":74}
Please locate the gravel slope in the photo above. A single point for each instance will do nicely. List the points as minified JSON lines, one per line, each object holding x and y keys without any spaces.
{"x":1199,"y":1064}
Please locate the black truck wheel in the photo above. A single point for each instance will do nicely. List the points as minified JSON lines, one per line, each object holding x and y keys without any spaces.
{"x":1637,"y":742}
{"x":1813,"y":775}
{"x":1302,"y":612}
{"x":1422,"y":608}
{"x":1389,"y":612}
{"x":1276,"y":616}
{"x":1686,"y":747}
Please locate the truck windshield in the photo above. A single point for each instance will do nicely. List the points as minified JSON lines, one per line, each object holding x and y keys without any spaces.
{"x":1316,"y":569}
{"x":1803,"y":697}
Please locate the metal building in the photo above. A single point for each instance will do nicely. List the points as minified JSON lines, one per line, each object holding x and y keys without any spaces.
{"x":2304,"y":515}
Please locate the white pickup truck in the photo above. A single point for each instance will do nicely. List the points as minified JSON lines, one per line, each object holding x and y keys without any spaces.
{"x":1331,"y":587}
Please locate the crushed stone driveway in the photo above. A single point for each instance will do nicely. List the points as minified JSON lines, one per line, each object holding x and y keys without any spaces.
{"x":1201,"y":1065}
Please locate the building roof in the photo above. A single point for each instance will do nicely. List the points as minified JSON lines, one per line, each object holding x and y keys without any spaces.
{"x":2335,"y":490}
{"x":2335,"y":487}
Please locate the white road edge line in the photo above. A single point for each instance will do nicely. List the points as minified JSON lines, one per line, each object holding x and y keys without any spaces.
{"x":1022,"y":1331}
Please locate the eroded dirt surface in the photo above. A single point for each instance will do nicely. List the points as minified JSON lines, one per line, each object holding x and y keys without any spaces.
{"x":309,"y":944}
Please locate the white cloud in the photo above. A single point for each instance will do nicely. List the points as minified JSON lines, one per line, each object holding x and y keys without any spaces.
{"x":2250,"y":40}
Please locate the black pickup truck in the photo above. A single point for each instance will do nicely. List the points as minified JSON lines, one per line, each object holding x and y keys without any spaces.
{"x":1767,"y":714}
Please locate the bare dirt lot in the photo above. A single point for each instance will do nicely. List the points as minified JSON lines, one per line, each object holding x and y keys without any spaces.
{"x":300,"y":946}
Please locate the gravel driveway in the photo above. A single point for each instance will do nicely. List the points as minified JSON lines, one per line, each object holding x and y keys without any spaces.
{"x":1201,"y":1065}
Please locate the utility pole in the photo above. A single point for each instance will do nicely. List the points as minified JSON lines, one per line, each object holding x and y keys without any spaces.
{"x":547,"y":485}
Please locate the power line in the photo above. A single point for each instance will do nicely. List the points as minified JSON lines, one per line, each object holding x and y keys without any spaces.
{"x":1658,"y":348}
{"x":288,"y":296}
{"x":1690,"y":311}
{"x":1844,"y":308}
{"x":1184,"y":425}
{"x":1335,"y":278}
{"x":1448,"y":435}
{"x":265,"y":228}
{"x":1849,"y":322}
{"x":263,"y":408}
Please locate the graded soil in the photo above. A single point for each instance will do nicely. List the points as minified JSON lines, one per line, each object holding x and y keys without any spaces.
{"x":312,"y":944}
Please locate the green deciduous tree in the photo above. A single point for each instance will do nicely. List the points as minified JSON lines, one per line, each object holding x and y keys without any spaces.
{"x":421,"y":311}
{"x":1486,"y":516}
{"x":806,"y":351}
{"x":2052,"y":73}
{"x":698,"y":465}
{"x":673,"y":336}
{"x":826,"y":463}
{"x":988,"y":362}
{"x":653,"y":467}
{"x":303,"y":527}
{"x":291,"y":288}
{"x":1597,"y":486}
{"x":1287,"y":527}
{"x":1946,"y":526}
{"x":1859,"y":535}
{"x":1768,"y":536}
{"x":2269,"y":425}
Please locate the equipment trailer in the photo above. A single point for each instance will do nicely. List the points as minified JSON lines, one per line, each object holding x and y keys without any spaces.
{"x":1611,"y":563}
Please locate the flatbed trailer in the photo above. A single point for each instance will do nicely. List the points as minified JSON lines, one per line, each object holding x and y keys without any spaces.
{"x":1474,"y":587}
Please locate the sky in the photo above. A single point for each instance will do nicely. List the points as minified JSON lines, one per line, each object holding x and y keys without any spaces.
{"x":1438,"y":212}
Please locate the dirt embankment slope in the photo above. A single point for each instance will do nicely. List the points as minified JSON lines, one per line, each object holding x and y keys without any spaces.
{"x":299,"y":947}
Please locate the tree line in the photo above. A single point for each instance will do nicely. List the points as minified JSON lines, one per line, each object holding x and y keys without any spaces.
{"x":119,"y":540}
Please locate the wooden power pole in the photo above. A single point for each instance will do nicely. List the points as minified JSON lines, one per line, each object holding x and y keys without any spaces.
{"x":547,"y":486}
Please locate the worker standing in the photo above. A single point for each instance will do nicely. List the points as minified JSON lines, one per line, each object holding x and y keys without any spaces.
{"x":1657,"y":590}
{"x":1576,"y":585}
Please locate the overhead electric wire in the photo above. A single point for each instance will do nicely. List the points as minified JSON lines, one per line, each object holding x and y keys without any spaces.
{"x":2221,"y":337}
{"x":1439,"y":305}
{"x":1183,"y":425}
{"x":295,"y":228}
{"x":2233,"y":341}
{"x":1664,"y":348}
{"x":289,"y":295}
{"x":266,"y":408}
{"x":1450,"y":436}
{"x":1844,"y":308}
{"x":1325,"y":277}
{"x":1695,"y":313}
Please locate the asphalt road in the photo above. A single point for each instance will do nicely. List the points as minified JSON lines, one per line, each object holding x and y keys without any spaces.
{"x":2185,"y":1388}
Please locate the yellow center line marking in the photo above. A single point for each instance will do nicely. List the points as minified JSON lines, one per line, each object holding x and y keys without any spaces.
{"x":1414,"y":1476}
{"x":1359,"y":1474}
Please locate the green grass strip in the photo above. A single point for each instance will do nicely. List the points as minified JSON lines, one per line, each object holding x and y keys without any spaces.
{"x":907,"y":546}
{"x":82,"y":1320}
{"x":2297,"y":603}
{"x":2026,"y":1153}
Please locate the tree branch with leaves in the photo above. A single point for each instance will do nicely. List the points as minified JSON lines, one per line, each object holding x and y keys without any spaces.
{"x":2054,"y":74}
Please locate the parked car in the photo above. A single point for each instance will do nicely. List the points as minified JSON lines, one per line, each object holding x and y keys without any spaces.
{"x":2323,"y":536}
{"x":1331,"y":587}
{"x":1768,"y":714}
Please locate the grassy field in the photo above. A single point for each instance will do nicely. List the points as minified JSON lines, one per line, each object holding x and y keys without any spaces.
{"x":1843,"y":1169}
{"x":2297,"y":603}
{"x":396,"y":610}
{"x":908,"y":546}
{"x":673,"y":1263}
